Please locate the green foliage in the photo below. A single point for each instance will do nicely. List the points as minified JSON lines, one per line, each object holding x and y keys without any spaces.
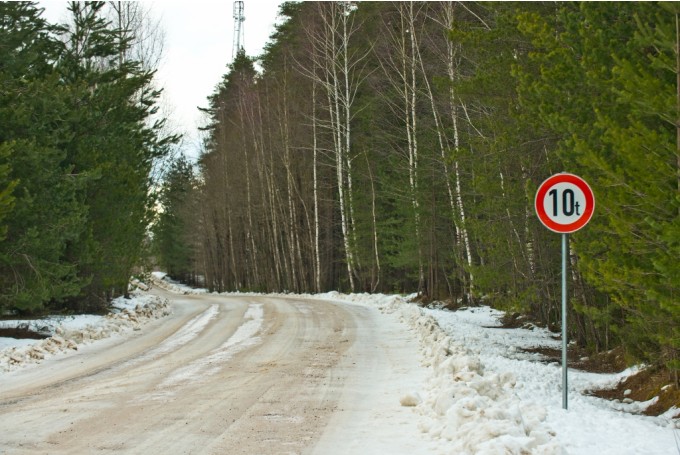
{"x":43,"y":214}
{"x":174,"y":246}
{"x":76,"y":151}
{"x":114,"y":98}
{"x":7,"y":199}
{"x":618,"y":129}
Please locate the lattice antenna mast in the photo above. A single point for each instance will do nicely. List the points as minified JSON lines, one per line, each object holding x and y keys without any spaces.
{"x":239,"y":18}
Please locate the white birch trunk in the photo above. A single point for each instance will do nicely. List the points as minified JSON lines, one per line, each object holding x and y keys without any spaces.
{"x":459,"y":199}
{"x":458,"y":207}
{"x":317,"y":260}
{"x":375,"y":279}
{"x":334,"y":102}
{"x":346,"y":128}
{"x":407,"y":57}
{"x":334,"y":70}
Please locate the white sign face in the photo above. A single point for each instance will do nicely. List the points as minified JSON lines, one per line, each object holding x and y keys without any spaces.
{"x":564,"y":203}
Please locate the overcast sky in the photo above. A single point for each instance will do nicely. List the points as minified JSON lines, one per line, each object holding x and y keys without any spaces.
{"x":198,"y":47}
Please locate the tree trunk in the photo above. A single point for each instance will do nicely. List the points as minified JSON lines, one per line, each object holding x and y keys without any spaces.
{"x":315,"y":151}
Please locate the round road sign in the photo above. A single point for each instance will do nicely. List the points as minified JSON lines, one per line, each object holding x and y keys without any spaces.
{"x":564,"y":203}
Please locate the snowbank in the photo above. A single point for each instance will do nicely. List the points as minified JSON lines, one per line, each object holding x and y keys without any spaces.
{"x":591,"y":425}
{"x":476,"y":412}
{"x":70,"y":332}
{"x":161,"y":280}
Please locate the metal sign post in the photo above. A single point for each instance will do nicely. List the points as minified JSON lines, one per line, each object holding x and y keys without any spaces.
{"x":564,"y":203}
{"x":565,"y":254}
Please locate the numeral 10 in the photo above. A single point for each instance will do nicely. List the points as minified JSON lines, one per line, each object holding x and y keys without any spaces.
{"x":569,"y":203}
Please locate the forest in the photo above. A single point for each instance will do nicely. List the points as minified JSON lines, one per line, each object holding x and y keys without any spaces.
{"x":390,"y":147}
{"x":397,"y":147}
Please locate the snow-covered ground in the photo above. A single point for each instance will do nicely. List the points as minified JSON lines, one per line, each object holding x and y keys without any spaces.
{"x":69,"y":332}
{"x":486,"y":396}
{"x":483,"y":394}
{"x":591,"y":425}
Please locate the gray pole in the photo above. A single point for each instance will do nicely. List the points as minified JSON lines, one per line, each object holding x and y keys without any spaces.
{"x":565,"y":254}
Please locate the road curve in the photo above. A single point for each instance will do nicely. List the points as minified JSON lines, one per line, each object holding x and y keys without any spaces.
{"x":222,"y":375}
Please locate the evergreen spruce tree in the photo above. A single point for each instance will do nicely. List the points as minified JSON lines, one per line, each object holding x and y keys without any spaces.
{"x":608,"y":88}
{"x":42,"y":213}
{"x":174,"y":234}
{"x":114,"y":145}
{"x":76,"y":149}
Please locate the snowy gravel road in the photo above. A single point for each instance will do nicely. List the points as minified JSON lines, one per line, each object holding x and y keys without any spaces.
{"x":223,"y":374}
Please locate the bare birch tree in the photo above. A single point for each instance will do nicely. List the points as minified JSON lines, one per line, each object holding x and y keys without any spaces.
{"x":337,"y":70}
{"x":400,"y":67}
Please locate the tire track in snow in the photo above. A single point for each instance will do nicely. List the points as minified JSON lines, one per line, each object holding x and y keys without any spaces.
{"x":185,"y":334}
{"x":243,"y":337}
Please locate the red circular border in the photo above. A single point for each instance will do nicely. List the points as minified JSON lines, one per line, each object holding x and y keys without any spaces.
{"x":564,"y":178}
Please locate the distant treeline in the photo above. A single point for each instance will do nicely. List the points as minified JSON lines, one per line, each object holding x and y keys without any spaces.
{"x":79,"y":136}
{"x":397,"y":147}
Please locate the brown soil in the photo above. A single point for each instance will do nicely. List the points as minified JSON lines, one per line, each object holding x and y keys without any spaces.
{"x":22,"y":332}
{"x":645,"y":385}
{"x":520,"y":321}
{"x":514,"y":321}
{"x":606,"y":362}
